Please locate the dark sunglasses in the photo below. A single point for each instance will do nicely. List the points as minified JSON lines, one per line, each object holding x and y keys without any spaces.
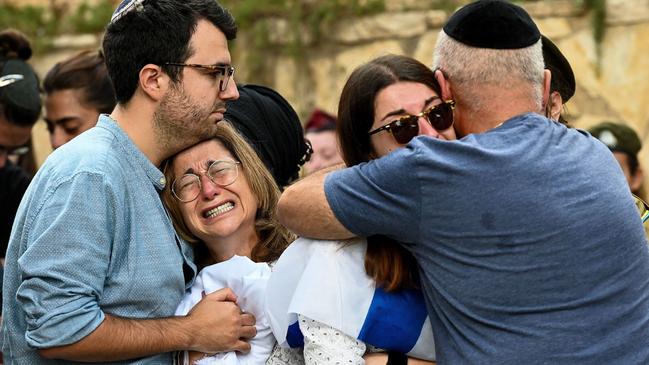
{"x":404,"y":129}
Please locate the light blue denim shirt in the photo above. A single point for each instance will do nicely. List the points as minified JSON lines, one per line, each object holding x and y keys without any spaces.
{"x":91,"y":236}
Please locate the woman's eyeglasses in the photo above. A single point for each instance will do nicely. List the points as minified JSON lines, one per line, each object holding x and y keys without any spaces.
{"x":404,"y":129}
{"x":188,"y":187}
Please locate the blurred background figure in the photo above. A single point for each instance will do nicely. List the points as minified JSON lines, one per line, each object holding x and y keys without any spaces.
{"x":20,"y":107}
{"x":321,"y":132}
{"x":625,"y":145}
{"x":77,"y":90}
{"x":562,"y":83}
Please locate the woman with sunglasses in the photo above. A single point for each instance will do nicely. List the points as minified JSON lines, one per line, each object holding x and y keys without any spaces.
{"x":341,"y":301}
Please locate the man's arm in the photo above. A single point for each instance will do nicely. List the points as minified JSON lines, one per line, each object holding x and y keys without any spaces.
{"x":303,"y":209}
{"x":215,"y":324}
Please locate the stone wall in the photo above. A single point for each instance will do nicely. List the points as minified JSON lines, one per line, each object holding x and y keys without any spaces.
{"x":618,"y":90}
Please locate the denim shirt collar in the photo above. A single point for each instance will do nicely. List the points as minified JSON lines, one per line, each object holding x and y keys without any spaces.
{"x":133,"y":153}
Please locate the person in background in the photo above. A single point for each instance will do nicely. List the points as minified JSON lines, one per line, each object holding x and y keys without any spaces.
{"x":271,"y":126}
{"x":518,"y":263}
{"x":321,"y":133}
{"x":623,"y":141}
{"x":562,"y":82}
{"x":94,"y":269}
{"x":20,"y":106}
{"x":77,"y":90}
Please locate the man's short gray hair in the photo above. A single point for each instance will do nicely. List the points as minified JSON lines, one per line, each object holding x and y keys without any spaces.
{"x":468,"y":68}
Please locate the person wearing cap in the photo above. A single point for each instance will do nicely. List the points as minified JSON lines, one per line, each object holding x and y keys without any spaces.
{"x":20,"y":106}
{"x":271,"y":126}
{"x":94,"y":270}
{"x":19,"y":110}
{"x":519,"y":264}
{"x":623,"y":141}
{"x":562,"y":83}
{"x":321,"y":132}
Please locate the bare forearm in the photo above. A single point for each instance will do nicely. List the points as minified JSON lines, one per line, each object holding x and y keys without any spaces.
{"x":120,"y":339}
{"x":215,"y":324}
{"x":303,"y":208}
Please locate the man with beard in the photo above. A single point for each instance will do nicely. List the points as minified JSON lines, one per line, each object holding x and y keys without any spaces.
{"x":94,"y":268}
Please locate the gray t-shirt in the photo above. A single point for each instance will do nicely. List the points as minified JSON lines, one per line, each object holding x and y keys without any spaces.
{"x":529,"y":244}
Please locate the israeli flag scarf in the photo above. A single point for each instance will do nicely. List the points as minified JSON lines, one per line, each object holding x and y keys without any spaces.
{"x":326,"y":281}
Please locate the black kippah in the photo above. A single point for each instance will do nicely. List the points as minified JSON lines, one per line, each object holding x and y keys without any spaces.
{"x":563,"y":79}
{"x":23,"y":93}
{"x":492,"y":24}
{"x":271,"y":126}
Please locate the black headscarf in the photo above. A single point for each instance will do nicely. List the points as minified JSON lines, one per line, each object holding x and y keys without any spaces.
{"x":272,"y":128}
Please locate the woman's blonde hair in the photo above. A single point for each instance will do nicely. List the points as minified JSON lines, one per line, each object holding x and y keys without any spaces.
{"x":273,"y":237}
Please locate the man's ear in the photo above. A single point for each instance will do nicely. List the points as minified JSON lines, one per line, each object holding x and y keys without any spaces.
{"x":556,"y":106}
{"x":153,"y":82}
{"x":547,"y":77}
{"x":444,"y":85}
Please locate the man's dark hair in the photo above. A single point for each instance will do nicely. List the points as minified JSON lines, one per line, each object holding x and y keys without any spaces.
{"x":87,"y":73}
{"x":156,"y":32}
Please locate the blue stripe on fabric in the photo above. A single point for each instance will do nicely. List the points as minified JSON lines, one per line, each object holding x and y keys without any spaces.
{"x":294,"y":336}
{"x":394,"y":320}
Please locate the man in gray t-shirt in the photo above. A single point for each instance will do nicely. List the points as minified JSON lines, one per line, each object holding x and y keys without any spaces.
{"x":530,"y":247}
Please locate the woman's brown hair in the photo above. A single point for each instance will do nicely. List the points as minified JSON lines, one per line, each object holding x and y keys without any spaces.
{"x":85,"y":71}
{"x":386,"y":261}
{"x":273,"y":237}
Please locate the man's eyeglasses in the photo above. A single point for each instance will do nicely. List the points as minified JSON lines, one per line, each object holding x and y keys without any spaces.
{"x":221,"y":73}
{"x":221,"y":172}
{"x":404,"y":129}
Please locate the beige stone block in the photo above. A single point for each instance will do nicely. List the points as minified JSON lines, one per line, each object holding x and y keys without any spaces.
{"x":625,"y":77}
{"x":400,"y":5}
{"x":426,"y":47}
{"x":382,"y":26}
{"x":44,"y":62}
{"x":328,"y":82}
{"x":552,"y":8}
{"x":79,"y":41}
{"x":579,"y":50}
{"x":292,"y":83}
{"x":331,"y":72}
{"x":41,"y":142}
{"x":554,"y":28}
{"x":281,"y":33}
{"x":627,"y":11}
{"x":436,"y":18}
